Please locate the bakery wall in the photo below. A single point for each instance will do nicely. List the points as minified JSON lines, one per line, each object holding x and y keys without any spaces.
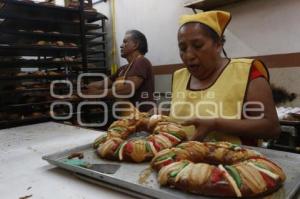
{"x":267,"y":27}
{"x":158,"y":20}
{"x":258,"y":28}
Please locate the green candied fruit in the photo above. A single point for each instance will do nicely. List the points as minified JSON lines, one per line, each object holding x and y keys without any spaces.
{"x":118,"y":129}
{"x":148,"y":148}
{"x":169,"y":155}
{"x":235,"y":147}
{"x":175,"y":134}
{"x":99,"y":140}
{"x":234,"y":173}
{"x":116,"y":153}
{"x":260,"y":166}
{"x":175,"y":173}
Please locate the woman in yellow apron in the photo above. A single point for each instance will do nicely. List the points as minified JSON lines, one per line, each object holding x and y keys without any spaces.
{"x":224,"y":99}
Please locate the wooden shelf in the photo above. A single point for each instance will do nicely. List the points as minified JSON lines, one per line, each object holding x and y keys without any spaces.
{"x":208,"y":4}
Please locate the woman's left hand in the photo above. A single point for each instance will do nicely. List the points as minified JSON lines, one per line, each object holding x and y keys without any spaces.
{"x":203,"y":127}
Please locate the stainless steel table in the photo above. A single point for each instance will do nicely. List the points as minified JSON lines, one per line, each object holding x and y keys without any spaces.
{"x":24,"y":173}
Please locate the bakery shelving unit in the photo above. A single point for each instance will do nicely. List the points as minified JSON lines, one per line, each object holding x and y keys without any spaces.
{"x":206,"y":5}
{"x":40,"y":43}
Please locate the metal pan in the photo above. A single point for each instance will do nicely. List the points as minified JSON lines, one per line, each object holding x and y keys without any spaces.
{"x":126,"y":178}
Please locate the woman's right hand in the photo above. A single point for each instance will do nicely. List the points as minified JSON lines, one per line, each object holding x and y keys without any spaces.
{"x":202,"y":126}
{"x":156,"y":111}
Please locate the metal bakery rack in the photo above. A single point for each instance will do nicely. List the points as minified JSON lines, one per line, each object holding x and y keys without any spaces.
{"x":42,"y":42}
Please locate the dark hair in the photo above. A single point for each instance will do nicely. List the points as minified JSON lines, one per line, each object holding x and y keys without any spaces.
{"x":141,"y":39}
{"x":281,"y":95}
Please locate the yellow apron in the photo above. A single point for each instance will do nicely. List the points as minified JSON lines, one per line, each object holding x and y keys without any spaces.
{"x":223,"y":99}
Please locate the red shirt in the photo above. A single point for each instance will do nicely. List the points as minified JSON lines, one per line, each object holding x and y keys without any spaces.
{"x":255,"y":73}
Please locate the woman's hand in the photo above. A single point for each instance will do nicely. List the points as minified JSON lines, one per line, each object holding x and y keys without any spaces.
{"x":92,"y":91}
{"x":95,"y":85}
{"x":156,"y":111}
{"x":203,"y":127}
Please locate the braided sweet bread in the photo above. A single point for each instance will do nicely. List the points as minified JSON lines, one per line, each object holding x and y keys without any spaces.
{"x":115,"y":146}
{"x":217,"y":169}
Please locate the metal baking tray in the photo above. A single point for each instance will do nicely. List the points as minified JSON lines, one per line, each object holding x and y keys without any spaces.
{"x":290,"y":122}
{"x":127,"y":178}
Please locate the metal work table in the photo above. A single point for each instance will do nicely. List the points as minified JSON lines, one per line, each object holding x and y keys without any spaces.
{"x":24,"y":173}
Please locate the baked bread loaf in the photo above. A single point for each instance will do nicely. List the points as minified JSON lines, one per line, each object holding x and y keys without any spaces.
{"x":217,"y":169}
{"x":41,"y":43}
{"x":115,"y":146}
{"x":59,"y":43}
{"x":55,"y":32}
{"x":21,"y":74}
{"x":72,"y":45}
{"x":38,"y":31}
{"x":53,"y":73}
{"x":39,"y":73}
